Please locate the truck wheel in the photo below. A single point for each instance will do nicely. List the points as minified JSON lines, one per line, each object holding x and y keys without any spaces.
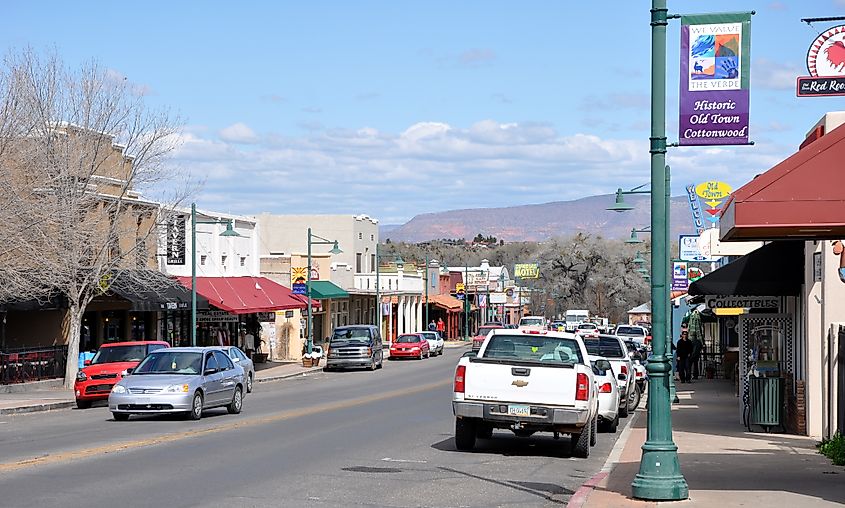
{"x":594,"y":430}
{"x":623,"y":410}
{"x":580,"y":443}
{"x":634,"y":399}
{"x":484,"y":431}
{"x":464,"y":434}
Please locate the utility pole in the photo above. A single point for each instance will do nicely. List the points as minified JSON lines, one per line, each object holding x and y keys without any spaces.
{"x":427,"y":283}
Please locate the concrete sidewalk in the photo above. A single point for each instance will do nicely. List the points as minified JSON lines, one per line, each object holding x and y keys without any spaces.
{"x":724,"y":465}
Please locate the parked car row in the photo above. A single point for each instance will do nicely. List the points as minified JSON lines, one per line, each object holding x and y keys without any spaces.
{"x":536,"y":380}
{"x":150,"y":377}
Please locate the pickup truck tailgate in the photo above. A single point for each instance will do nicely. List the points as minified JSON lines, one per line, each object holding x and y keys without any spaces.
{"x":531,"y":384}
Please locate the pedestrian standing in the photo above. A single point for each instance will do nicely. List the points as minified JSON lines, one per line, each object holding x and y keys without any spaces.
{"x":696,"y":337}
{"x":682,"y":357}
{"x":432,"y":327}
{"x":441,"y":327}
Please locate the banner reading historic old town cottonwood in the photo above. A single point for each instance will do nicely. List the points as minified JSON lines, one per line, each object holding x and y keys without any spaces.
{"x":715,"y":68}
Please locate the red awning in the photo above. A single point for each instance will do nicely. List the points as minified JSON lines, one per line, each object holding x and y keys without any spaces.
{"x":802,"y":197}
{"x":245,"y":295}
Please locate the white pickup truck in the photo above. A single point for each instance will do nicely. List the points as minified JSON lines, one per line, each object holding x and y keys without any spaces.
{"x":526,"y":381}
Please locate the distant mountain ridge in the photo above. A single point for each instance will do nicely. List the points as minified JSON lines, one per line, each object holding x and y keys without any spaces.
{"x":540,"y":222}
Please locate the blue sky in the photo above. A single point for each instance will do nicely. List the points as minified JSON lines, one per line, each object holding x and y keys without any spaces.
{"x":399,"y":108}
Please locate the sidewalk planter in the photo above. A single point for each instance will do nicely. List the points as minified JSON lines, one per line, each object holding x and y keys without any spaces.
{"x":766,"y":402}
{"x":307,"y":361}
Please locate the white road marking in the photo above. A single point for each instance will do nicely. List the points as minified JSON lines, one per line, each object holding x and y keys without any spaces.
{"x":388,"y":459}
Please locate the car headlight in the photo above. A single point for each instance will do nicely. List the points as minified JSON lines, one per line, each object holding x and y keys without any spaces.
{"x":415,"y":348}
{"x":177,"y":389}
{"x":118,"y":389}
{"x":80,"y":376}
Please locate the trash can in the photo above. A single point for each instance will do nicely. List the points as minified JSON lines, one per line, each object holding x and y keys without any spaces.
{"x":766,"y":402}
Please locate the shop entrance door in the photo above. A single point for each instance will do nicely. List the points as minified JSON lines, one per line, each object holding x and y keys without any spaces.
{"x":766,"y":349}
{"x":840,"y":405}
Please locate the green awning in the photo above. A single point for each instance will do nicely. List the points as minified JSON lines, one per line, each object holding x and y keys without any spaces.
{"x":324,"y":289}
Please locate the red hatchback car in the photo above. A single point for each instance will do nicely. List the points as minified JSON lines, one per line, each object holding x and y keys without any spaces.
{"x":100,"y":374}
{"x":410,"y":345}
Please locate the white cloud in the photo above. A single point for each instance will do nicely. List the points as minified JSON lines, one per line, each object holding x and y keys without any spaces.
{"x":432,"y":166}
{"x":772,"y":75}
{"x":238,"y":133}
{"x":476,"y":56}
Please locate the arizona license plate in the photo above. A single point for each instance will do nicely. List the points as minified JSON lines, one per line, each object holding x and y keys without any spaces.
{"x":519,"y":410}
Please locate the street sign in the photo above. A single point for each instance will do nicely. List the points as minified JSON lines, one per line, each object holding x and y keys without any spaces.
{"x":820,"y":86}
{"x":460,"y":290}
{"x":498,"y":298}
{"x":299,"y":288}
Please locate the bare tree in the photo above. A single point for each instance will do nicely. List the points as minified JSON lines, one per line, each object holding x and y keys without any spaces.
{"x":76,"y":148}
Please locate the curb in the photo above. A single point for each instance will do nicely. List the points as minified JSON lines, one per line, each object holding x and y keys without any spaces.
{"x":287,"y":376}
{"x":579,"y":498}
{"x":37,"y":408}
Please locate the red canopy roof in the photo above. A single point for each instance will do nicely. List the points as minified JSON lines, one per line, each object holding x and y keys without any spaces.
{"x":245,"y":295}
{"x":802,"y":197}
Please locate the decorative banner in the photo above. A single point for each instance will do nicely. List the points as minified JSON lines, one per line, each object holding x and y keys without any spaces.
{"x":695,"y":209}
{"x":715,"y":68}
{"x":680,"y":279}
{"x":482,"y":300}
{"x":526,"y":271}
{"x":176,"y":240}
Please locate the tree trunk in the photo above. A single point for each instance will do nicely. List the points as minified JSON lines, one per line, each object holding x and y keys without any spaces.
{"x":73,"y":326}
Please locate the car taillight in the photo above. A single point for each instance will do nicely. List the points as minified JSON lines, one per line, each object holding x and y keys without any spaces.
{"x":605,"y":388}
{"x":460,"y":373}
{"x":625,"y":370}
{"x":582,"y":388}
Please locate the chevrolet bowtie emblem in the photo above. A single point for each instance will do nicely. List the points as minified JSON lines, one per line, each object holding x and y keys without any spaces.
{"x":520,"y":383}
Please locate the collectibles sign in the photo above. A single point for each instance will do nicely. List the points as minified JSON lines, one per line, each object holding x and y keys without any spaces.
{"x":742,"y":302}
{"x":526,"y":270}
{"x":715,"y":69}
{"x":826,"y":64}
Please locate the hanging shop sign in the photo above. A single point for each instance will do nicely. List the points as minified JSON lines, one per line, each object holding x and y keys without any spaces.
{"x":299,"y":278}
{"x":688,"y":249}
{"x":176,"y":240}
{"x":742,"y":302}
{"x":695,"y":209}
{"x":826,"y":65}
{"x":477,"y":279}
{"x":713,"y":193}
{"x":715,"y":76}
{"x":498,"y":298}
{"x":526,"y":271}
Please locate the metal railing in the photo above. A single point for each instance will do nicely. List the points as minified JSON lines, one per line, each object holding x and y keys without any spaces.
{"x":32,"y":364}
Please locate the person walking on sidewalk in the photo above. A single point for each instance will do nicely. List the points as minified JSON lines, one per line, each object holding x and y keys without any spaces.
{"x":683,"y":351}
{"x":441,"y":327}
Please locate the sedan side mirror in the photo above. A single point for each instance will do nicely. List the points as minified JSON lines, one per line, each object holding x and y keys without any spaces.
{"x":86,"y":362}
{"x":622,"y":377}
{"x":130,"y":370}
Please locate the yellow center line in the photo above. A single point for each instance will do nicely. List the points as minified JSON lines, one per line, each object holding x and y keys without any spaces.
{"x":179,"y":436}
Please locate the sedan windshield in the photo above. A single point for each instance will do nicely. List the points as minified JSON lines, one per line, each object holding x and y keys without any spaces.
{"x":114,"y":354}
{"x":534,"y":348}
{"x":171,"y":362}
{"x":408,"y":338}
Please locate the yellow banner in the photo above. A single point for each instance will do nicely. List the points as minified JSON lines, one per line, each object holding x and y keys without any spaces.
{"x":527,"y":270}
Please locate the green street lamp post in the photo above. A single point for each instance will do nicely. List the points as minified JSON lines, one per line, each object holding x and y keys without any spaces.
{"x":620,"y":205}
{"x":335,"y":250}
{"x":659,"y":477}
{"x":229,"y":233}
{"x":636,"y":239}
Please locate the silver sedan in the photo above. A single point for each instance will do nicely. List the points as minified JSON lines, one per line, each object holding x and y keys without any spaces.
{"x":240,"y":358}
{"x":179,"y":380}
